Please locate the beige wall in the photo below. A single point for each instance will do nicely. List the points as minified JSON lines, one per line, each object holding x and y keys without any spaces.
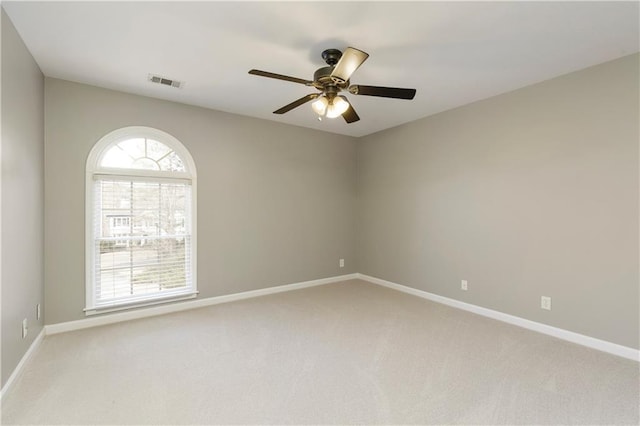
{"x":531,"y":193}
{"x":276,"y":203}
{"x":22,"y":196}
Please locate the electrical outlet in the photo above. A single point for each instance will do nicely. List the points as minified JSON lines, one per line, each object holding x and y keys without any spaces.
{"x":342,"y":263}
{"x":545,"y":302}
{"x":25,"y":328}
{"x":38,"y":311}
{"x":464,"y":285}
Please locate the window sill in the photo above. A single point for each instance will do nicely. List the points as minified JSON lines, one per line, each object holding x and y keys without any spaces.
{"x":139,"y":304}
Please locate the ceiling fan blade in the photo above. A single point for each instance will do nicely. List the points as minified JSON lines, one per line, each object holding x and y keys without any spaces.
{"x":280,"y":77}
{"x":350,"y":60}
{"x":297,"y":103}
{"x":383,"y":92}
{"x":350,"y":115}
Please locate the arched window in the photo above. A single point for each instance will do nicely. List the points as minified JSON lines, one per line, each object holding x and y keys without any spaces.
{"x":141,"y":220}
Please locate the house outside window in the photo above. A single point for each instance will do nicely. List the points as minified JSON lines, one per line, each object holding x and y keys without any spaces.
{"x":141,"y":221}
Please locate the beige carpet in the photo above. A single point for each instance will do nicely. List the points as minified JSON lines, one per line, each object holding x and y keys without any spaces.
{"x":342,"y":353}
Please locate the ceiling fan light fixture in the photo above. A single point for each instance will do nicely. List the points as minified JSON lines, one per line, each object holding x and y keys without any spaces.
{"x":330,"y":108}
{"x":320,"y":105}
{"x":337,"y":107}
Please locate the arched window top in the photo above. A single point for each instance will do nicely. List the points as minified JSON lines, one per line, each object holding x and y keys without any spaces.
{"x":141,"y":150}
{"x":143,"y":154}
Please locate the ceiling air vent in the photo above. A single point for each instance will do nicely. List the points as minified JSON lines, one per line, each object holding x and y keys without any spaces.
{"x":165,"y":81}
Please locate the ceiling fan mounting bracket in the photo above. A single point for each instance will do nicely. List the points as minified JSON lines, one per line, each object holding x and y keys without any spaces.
{"x":331,"y":56}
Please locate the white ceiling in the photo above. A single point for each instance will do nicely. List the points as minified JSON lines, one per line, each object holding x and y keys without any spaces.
{"x":453,"y":53}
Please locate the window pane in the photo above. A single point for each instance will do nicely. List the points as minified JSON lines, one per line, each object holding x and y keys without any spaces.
{"x":156,"y":266}
{"x":156,"y":150}
{"x":117,"y":158}
{"x":172,"y":162}
{"x":142,"y":246}
{"x":173,"y":201}
{"x":135,"y":147}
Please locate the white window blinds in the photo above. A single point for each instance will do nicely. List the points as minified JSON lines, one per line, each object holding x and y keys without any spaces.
{"x":142,"y":236}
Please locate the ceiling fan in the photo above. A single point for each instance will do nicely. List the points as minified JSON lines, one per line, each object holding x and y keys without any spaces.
{"x":333,"y":79}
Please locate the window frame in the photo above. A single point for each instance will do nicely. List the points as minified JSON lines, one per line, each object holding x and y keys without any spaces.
{"x":93,"y":169}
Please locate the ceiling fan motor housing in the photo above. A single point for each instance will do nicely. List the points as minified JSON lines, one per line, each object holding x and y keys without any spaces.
{"x":322,"y":79}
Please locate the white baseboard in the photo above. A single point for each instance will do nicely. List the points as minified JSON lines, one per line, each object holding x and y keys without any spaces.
{"x":183,"y":306}
{"x":570,"y":336}
{"x":16,"y":372}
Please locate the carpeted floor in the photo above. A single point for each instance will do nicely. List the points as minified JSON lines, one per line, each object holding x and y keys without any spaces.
{"x":342,"y":353}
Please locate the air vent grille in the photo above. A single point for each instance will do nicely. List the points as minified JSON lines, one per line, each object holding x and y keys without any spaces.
{"x":165,"y":81}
